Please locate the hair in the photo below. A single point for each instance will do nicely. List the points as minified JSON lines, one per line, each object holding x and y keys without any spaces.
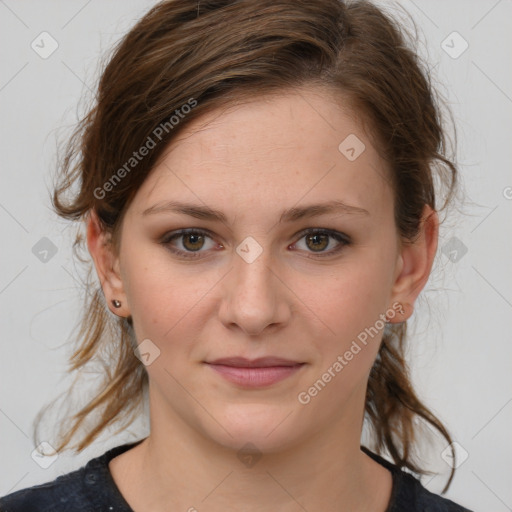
{"x":215,"y":53}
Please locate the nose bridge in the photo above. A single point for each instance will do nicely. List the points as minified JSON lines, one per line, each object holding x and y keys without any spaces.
{"x":253,"y":267}
{"x":253,"y":272}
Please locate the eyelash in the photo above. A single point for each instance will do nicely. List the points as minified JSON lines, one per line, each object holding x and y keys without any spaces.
{"x":343,"y":239}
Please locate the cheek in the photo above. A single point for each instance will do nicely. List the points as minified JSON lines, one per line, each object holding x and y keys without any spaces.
{"x":350,"y":299}
{"x":158,"y":295}
{"x":347,"y":346}
{"x":349,"y":305}
{"x":169,"y":303}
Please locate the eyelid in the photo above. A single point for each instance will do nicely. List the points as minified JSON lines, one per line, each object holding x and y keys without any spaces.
{"x":342,"y":239}
{"x":172,"y":235}
{"x":332,"y":232}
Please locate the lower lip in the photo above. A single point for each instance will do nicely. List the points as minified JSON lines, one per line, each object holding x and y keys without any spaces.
{"x":255,"y":377}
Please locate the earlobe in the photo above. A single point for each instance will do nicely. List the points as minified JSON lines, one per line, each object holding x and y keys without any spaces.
{"x":416,"y":260}
{"x":107,"y":266}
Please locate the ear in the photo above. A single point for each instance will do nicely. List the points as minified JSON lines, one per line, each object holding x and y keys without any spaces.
{"x":107,"y":265}
{"x":415,"y":263}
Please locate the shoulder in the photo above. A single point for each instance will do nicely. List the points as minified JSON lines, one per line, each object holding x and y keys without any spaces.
{"x":64,"y":493}
{"x":89,"y":488}
{"x":409,"y":495}
{"x":412,"y":495}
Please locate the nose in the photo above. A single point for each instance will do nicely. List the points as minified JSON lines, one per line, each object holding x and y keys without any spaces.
{"x":254,"y":297}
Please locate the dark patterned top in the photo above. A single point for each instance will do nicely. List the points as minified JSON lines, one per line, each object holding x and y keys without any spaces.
{"x":92,"y":489}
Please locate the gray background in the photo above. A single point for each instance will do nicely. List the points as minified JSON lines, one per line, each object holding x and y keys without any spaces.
{"x":461,"y":352}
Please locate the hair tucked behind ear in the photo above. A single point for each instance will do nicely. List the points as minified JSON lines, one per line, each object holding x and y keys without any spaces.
{"x":208,"y":54}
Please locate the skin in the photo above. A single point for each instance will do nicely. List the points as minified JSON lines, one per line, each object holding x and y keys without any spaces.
{"x":252,"y":161}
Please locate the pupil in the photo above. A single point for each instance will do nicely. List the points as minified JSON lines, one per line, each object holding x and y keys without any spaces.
{"x":316,"y":238}
{"x":195,"y":239}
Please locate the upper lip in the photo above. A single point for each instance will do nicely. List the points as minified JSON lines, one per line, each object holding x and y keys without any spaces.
{"x":262,"y":362}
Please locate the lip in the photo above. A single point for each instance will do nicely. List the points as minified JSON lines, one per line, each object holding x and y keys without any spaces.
{"x":255,"y":373}
{"x":261,"y":362}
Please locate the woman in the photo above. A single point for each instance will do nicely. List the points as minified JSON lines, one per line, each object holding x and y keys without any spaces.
{"x":256,"y":181}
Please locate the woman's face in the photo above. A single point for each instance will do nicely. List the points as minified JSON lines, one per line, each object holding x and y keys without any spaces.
{"x":259,"y":283}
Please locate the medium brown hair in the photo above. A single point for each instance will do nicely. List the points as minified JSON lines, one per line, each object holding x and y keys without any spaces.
{"x":213,"y":53}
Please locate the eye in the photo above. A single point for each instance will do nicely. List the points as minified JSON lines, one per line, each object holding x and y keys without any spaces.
{"x":192,"y":241}
{"x":317,"y":240}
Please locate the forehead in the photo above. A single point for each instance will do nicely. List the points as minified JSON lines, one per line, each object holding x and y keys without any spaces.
{"x":279,"y":150}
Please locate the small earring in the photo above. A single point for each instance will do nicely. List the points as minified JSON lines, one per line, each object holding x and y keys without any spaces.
{"x":401,"y":311}
{"x":116,"y":303}
{"x":405,"y":306}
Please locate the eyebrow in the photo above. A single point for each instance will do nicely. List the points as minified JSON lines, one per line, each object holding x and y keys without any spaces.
{"x":288,"y":215}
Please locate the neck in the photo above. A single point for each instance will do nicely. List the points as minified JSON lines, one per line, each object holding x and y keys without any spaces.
{"x":178,"y":468}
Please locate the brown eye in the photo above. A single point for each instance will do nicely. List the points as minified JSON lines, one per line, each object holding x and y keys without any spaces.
{"x":193,"y":241}
{"x":317,"y":241}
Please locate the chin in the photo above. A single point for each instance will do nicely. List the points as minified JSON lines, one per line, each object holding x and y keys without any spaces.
{"x":269,"y":428}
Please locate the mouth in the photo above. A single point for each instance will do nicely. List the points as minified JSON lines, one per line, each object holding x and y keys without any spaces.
{"x":255,"y":373}
{"x":262,"y":362}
